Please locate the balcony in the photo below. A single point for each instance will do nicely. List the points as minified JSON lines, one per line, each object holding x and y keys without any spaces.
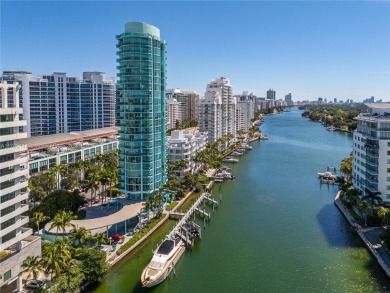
{"x":14,"y":136}
{"x":19,"y":223}
{"x":14,"y":175}
{"x":24,"y":233}
{"x":12,"y":111}
{"x":17,"y":186}
{"x":23,"y":208}
{"x":13,"y":124}
{"x":14,"y":149}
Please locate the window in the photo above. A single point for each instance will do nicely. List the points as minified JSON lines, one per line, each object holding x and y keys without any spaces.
{"x":7,"y":276}
{"x":387,"y":196}
{"x":388,"y":187}
{"x":63,"y":159}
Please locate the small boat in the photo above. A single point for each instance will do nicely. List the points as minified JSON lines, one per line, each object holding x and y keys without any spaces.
{"x":327,"y":175}
{"x":163,"y":262}
{"x":235,"y":153}
{"x":331,"y":128}
{"x":224,"y":175}
{"x":246,"y":146}
{"x":230,"y":160}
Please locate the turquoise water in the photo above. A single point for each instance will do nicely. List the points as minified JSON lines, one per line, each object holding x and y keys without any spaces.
{"x":277,"y":229}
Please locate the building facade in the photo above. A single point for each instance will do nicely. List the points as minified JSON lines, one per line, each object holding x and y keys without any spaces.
{"x":174,"y":113}
{"x":16,"y":242}
{"x":223,"y":87}
{"x":244,"y":114}
{"x":184,"y":145}
{"x":288,"y":99}
{"x":371,"y":151}
{"x":142,"y":82}
{"x":44,"y":152}
{"x":188,"y":101}
{"x":271,"y":94}
{"x":58,"y":104}
{"x":210,"y":116}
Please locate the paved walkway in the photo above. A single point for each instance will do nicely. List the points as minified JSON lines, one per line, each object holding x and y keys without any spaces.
{"x":369,"y":236}
{"x":101,"y":217}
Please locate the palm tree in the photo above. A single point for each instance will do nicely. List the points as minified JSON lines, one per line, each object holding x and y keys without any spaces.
{"x":32,"y":265}
{"x":372,"y":197}
{"x":366,"y":207}
{"x":62,"y":220}
{"x":99,"y":159}
{"x":146,"y":206}
{"x":80,"y":235}
{"x":55,"y":257}
{"x":101,"y":238}
{"x":59,"y":170}
{"x":384,"y":214}
{"x":38,"y":218}
{"x":93,"y":183}
{"x":104,"y":179}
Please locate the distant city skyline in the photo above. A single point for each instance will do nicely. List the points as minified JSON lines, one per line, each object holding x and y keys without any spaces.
{"x":309,"y":49}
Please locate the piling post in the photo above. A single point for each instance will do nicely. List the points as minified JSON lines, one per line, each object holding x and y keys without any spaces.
{"x":204,"y":221}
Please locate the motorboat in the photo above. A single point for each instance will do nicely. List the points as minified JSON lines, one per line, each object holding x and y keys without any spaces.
{"x":246,"y":146}
{"x":331,"y":128}
{"x":230,"y":160}
{"x":236,"y":153}
{"x":224,"y":175}
{"x":327,"y":175}
{"x":163,"y":262}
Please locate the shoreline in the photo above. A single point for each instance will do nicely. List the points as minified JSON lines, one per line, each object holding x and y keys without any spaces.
{"x":113,"y":260}
{"x":385,"y":266}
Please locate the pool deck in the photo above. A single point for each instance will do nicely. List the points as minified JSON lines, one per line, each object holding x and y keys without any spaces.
{"x":99,"y":216}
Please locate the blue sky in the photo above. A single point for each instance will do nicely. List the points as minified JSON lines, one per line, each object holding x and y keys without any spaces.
{"x":332,"y":49}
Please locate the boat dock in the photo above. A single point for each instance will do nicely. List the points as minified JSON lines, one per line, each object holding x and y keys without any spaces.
{"x":187,"y":229}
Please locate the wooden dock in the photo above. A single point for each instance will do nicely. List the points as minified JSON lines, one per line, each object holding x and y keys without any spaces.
{"x":181,"y":228}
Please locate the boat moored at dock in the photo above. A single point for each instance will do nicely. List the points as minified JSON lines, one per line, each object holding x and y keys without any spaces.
{"x":163,"y":262}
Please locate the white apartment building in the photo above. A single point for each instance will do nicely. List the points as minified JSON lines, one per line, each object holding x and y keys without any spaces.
{"x":58,"y":103}
{"x":188,"y":101}
{"x":16,"y":242}
{"x":244,"y":112}
{"x":44,"y":152}
{"x":210,"y":116}
{"x":184,"y":145}
{"x":223,"y":87}
{"x":173,"y":113}
{"x":371,"y":151}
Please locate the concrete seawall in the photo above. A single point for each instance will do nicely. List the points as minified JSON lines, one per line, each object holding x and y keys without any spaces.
{"x":376,"y":252}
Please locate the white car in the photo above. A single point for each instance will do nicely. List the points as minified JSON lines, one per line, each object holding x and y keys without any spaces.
{"x":35,"y":284}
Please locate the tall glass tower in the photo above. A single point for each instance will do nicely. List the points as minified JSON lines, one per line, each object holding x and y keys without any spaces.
{"x":141,"y":86}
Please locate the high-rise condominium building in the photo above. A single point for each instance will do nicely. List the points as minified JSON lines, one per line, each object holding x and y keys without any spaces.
{"x":288,"y":99}
{"x":142,"y":158}
{"x":188,"y":101}
{"x":244,"y":113}
{"x":271,"y":94}
{"x":16,"y":242}
{"x":210,"y":116}
{"x":371,"y":151}
{"x":56,"y":103}
{"x":223,"y":87}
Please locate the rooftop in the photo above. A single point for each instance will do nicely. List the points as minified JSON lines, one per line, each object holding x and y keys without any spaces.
{"x":45,"y":141}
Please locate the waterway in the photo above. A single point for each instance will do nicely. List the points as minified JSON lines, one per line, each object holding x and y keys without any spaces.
{"x":277,"y":229}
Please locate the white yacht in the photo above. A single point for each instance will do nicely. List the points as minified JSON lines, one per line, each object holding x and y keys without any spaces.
{"x":164,"y":259}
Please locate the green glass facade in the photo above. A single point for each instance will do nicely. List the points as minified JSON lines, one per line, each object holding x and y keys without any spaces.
{"x":141,"y":97}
